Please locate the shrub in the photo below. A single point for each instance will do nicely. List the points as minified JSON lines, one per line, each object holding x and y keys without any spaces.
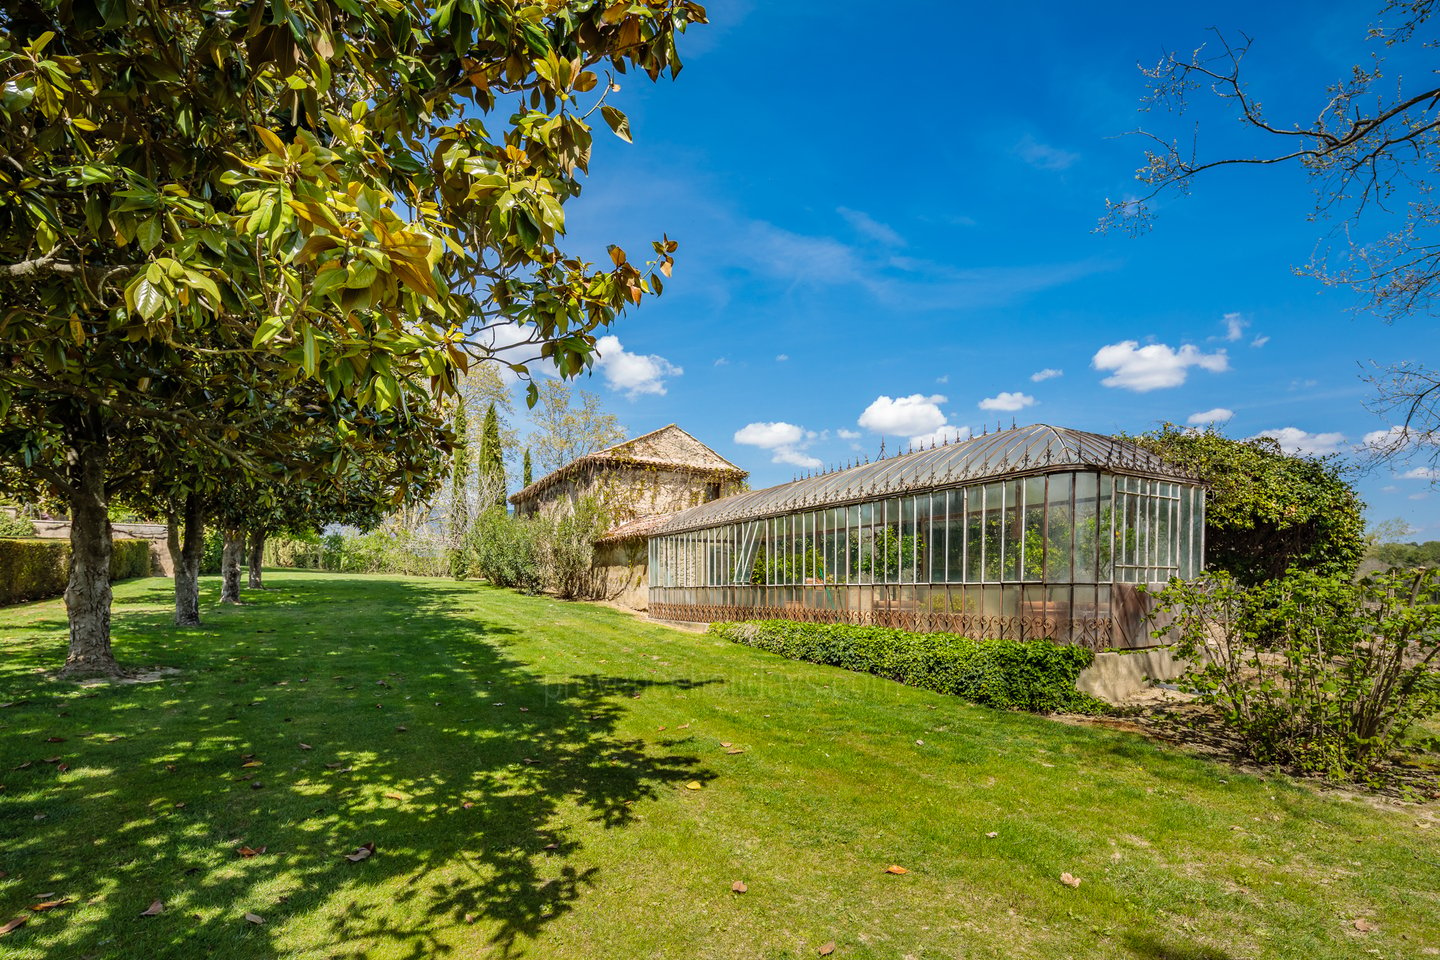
{"x":1033,"y":675}
{"x":502,"y":549}
{"x":384,"y":551}
{"x":303,"y":552}
{"x":565,"y":548}
{"x":15,"y":526}
{"x":212,"y":552}
{"x":1326,"y":673}
{"x":40,"y":569}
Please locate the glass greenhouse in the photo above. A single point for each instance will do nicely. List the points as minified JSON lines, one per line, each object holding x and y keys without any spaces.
{"x":1030,"y":532}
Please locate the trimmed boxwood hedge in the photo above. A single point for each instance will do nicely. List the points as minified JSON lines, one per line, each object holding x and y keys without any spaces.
{"x":1035,"y":675}
{"x":39,"y":569}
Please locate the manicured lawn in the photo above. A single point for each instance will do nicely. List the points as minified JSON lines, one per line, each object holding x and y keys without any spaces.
{"x":544,"y":779}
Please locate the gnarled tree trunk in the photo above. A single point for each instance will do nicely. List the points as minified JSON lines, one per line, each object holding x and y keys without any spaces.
{"x":257,"y":557}
{"x":186,"y":559}
{"x":87,"y":596}
{"x":230,"y":556}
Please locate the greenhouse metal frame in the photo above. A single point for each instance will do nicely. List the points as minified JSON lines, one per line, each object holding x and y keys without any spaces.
{"x":1031,"y":532}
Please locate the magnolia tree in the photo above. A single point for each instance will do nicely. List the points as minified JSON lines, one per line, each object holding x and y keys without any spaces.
{"x":201,"y":199}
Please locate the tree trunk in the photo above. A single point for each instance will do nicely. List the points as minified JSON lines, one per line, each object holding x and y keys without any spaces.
{"x":187,"y":563}
{"x":233,"y":550}
{"x":87,"y":596}
{"x":257,"y":557}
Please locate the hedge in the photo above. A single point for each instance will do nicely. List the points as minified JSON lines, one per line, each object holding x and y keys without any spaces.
{"x":1035,"y":675}
{"x":39,"y":569}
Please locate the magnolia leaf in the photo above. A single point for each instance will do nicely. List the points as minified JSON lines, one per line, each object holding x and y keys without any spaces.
{"x":1363,"y":925}
{"x":13,"y":925}
{"x":362,"y":852}
{"x":896,"y":869}
{"x":254,"y":918}
{"x":617,"y":121}
{"x":50,"y":904}
{"x":739,"y":887}
{"x":1070,"y":880}
{"x":693,"y":785}
{"x":154,"y":910}
{"x":827,"y":949}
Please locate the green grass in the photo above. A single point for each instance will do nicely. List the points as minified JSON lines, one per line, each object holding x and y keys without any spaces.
{"x":574,"y":733}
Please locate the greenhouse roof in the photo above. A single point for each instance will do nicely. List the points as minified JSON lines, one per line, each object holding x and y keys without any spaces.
{"x":1006,"y":453}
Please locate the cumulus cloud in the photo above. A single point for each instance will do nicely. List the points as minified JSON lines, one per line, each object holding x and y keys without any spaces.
{"x":1043,"y":156}
{"x":722,"y":361}
{"x":785,"y":441}
{"x":1153,"y":366}
{"x":1049,"y":373}
{"x":1260,"y":341}
{"x":1218,"y":415}
{"x":634,"y":373}
{"x":848,"y":434}
{"x":1235,"y":325}
{"x":1423,"y":473}
{"x":1007,"y":401}
{"x":941,"y":436}
{"x":781,"y":357}
{"x":1295,"y":440}
{"x":868,"y":226}
{"x":904,"y":416}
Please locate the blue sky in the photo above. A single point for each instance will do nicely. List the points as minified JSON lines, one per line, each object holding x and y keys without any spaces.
{"x":886,"y":228}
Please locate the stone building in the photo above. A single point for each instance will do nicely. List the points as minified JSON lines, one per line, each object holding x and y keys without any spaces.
{"x":640,"y":482}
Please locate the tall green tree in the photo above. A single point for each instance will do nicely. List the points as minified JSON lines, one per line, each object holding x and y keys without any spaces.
{"x":570,"y":423}
{"x":460,"y":476}
{"x":198,"y":199}
{"x":527,"y":471}
{"x":1266,"y":511}
{"x":491,"y":466}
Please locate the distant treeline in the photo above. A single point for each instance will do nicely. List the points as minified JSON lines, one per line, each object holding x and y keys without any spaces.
{"x":1425,"y":554}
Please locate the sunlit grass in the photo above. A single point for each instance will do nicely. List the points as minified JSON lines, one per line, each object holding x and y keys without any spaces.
{"x":561,"y":789}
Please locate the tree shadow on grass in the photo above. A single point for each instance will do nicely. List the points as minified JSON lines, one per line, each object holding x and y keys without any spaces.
{"x":464,"y":767}
{"x":1149,"y":946}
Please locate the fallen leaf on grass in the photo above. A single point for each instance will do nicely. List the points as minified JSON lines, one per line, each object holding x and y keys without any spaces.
{"x":54,"y":739}
{"x":62,"y":767}
{"x":469,"y":918}
{"x":394,"y":796}
{"x":401,"y":728}
{"x":552,"y":846}
{"x":333,"y":766}
{"x":1363,"y":925}
{"x":467,"y":805}
{"x":693,"y":785}
{"x":1070,"y":880}
{"x":26,"y":765}
{"x":13,"y":925}
{"x":726,"y":743}
{"x":992,"y":834}
{"x":895,"y":868}
{"x":50,"y":904}
{"x":52,"y":759}
{"x":734,"y":750}
{"x":254,"y":918}
{"x":42,"y":896}
{"x":739,"y":887}
{"x":362,"y":852}
{"x":306,"y":746}
{"x":253,"y":763}
{"x":248,"y":852}
{"x":826,"y":950}
{"x":154,"y":910}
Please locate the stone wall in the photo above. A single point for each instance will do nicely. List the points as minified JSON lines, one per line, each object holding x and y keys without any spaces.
{"x":156,"y":533}
{"x":624,"y":572}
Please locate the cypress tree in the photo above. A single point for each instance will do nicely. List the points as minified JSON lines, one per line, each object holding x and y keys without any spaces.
{"x":492,"y":458}
{"x":528,"y":475}
{"x":460,"y":476}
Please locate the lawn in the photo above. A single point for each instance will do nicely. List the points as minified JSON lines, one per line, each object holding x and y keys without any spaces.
{"x":544,"y":779}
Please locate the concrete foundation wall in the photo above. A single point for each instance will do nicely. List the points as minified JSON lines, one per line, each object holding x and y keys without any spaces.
{"x":1115,"y":677}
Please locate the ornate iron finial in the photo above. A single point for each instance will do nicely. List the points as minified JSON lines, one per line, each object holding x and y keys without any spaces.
{"x":882,"y":448}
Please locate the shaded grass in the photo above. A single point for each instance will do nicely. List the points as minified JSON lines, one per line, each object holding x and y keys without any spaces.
{"x":583,"y":836}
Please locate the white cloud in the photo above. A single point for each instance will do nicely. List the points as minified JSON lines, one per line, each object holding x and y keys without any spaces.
{"x":1295,"y":440}
{"x":1153,"y":366}
{"x":904,"y":416}
{"x":781,"y":357}
{"x":1260,"y":341}
{"x":1043,"y":156}
{"x":634,"y":373}
{"x":722,"y":361}
{"x":1007,"y":401}
{"x":868,"y":226}
{"x":1390,"y":489}
{"x":940,"y":436}
{"x":1423,"y":473}
{"x":1235,"y":325}
{"x":1420,"y":496}
{"x":943,"y":379}
{"x":785,"y":441}
{"x":848,"y":434}
{"x":1049,"y":373}
{"x":1218,"y":415}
